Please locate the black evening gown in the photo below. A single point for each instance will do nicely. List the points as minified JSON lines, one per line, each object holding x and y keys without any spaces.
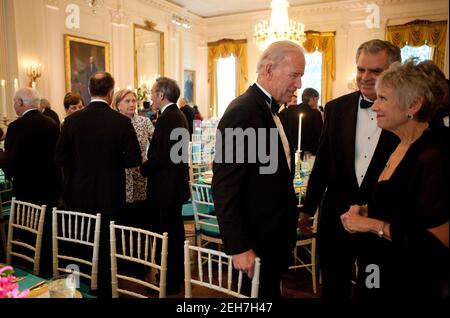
{"x":415,"y":264}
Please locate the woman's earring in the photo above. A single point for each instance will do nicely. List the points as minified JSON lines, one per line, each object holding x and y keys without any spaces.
{"x":410,"y":116}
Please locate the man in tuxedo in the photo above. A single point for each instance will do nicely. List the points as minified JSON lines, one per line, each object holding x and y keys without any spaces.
{"x":168,"y":187}
{"x":96,"y":145}
{"x":311,"y":121}
{"x":351,"y":155}
{"x":29,"y":148}
{"x":257,"y":208}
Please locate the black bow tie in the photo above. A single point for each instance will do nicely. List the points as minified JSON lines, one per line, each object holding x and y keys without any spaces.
{"x":365,"y":104}
{"x":274,"y":107}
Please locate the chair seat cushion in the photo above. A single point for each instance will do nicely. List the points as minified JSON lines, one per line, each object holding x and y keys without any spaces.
{"x":210,"y":230}
{"x":188,"y":211}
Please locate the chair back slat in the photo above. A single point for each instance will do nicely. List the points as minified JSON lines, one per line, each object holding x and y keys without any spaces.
{"x":28,"y":217}
{"x":131,"y":250}
{"x":70,"y":226}
{"x":213,"y":282}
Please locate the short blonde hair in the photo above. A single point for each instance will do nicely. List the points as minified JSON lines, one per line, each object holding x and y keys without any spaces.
{"x":119,"y":96}
{"x":409,"y":82}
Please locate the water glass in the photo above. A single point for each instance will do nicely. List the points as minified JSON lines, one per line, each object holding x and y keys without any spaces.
{"x":63,"y":286}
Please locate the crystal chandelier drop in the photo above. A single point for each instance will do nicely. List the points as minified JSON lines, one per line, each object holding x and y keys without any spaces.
{"x":94,"y":5}
{"x":280,"y":27}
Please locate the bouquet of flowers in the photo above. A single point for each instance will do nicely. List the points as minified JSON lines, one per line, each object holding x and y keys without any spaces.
{"x":143,"y":93}
{"x":9,"y":289}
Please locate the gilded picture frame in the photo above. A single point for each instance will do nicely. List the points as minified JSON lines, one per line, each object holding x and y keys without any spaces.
{"x":84,"y":57}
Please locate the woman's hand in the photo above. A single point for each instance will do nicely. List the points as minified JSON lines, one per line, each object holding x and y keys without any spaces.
{"x":356,"y":220}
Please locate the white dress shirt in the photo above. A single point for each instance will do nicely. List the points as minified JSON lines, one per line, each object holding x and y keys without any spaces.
{"x":280,"y":129}
{"x":366,"y":140}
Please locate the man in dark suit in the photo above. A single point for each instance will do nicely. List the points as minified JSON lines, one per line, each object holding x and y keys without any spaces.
{"x":352,"y":153}
{"x":188,"y":111}
{"x":311,"y":121}
{"x":29,"y":148}
{"x":96,"y":145}
{"x":168,"y":188}
{"x":255,"y":203}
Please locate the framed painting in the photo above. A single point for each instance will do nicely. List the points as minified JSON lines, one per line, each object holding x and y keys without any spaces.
{"x":189,"y":86}
{"x":83,"y":58}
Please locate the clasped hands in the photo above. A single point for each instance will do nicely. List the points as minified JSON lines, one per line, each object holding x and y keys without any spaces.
{"x":356,"y":219}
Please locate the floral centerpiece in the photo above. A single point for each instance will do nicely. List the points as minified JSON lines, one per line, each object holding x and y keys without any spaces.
{"x":143,"y":93}
{"x":8,"y":287}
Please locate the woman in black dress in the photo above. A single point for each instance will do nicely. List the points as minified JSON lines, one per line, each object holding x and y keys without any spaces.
{"x":406,"y":224}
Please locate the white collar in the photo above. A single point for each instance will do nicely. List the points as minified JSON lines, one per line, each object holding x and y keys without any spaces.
{"x":29,"y":110}
{"x":164,"y":107}
{"x":264,"y":91}
{"x":99,"y":100}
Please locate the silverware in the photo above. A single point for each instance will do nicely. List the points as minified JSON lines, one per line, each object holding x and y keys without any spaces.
{"x":37,"y":285}
{"x":18,"y":279}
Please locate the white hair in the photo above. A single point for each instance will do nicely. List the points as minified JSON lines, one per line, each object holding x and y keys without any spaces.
{"x":276,"y":53}
{"x":29,"y":96}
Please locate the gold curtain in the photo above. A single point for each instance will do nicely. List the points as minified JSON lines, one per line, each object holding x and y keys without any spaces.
{"x":223,"y":49}
{"x":324,"y":43}
{"x":418,"y":33}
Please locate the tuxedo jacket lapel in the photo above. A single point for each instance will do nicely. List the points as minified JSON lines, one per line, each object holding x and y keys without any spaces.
{"x":350,"y":133}
{"x":270,"y":123}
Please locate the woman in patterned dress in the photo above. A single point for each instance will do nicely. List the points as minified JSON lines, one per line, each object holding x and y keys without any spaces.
{"x":125,"y":102}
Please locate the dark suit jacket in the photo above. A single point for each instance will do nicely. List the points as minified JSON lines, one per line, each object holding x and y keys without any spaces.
{"x":188,"y":111}
{"x":53,"y":115}
{"x":311,"y":126}
{"x":168,"y":181}
{"x":334,"y":166}
{"x":96,"y":145}
{"x":255,"y":211}
{"x":29,"y":149}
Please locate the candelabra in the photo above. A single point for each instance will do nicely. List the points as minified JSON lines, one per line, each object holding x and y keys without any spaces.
{"x":33,"y":72}
{"x":5,"y":121}
{"x":180,"y":21}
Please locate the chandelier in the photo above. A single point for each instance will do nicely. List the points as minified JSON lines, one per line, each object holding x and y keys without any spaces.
{"x":280,"y":27}
{"x":94,"y":5}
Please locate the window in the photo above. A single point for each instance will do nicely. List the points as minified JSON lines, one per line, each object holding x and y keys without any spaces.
{"x":422,"y":52}
{"x":226,"y":83}
{"x":313,"y":73}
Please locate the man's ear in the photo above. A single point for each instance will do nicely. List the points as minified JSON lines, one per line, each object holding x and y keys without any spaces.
{"x":111,"y":93}
{"x":268,"y":69}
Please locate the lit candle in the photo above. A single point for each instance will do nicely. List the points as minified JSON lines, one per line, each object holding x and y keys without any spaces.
{"x":16,"y":85}
{"x":33,"y":85}
{"x":3,"y":98}
{"x":299,"y":131}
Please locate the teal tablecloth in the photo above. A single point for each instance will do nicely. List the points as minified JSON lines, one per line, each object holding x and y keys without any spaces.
{"x":30,"y":280}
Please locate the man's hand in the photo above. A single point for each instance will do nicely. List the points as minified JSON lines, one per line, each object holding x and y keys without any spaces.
{"x":245,"y":262}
